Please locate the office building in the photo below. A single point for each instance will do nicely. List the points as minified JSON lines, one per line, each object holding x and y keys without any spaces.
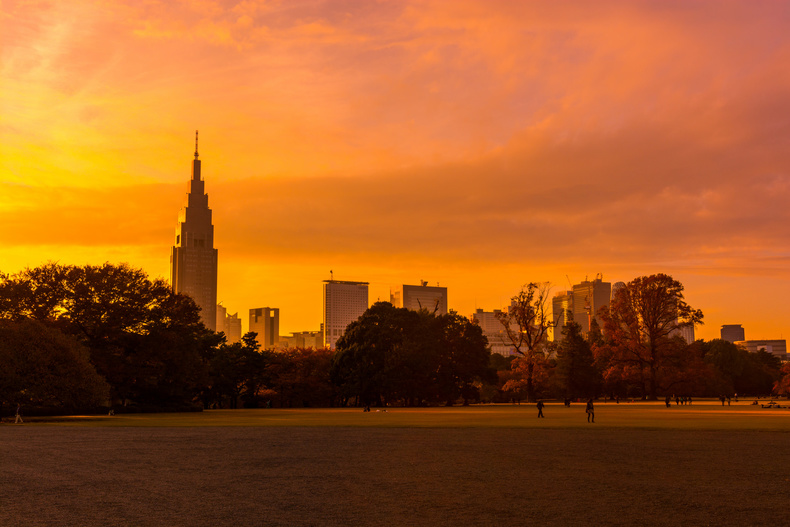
{"x":228,"y":324}
{"x":588,"y":298}
{"x":302,"y":339}
{"x":686,"y":333}
{"x":561,"y":313}
{"x":344,"y":302}
{"x":193,"y":258}
{"x":777,"y":348}
{"x":423,"y":296}
{"x":265,"y":321}
{"x":732,"y":333}
{"x":494,"y":331}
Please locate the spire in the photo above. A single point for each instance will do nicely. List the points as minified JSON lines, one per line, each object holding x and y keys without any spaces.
{"x":196,"y":138}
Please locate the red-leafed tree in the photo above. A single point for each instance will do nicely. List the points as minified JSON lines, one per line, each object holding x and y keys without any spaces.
{"x":639,"y":325}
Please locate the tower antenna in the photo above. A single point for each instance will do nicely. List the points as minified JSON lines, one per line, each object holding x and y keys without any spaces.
{"x":196,"y":138}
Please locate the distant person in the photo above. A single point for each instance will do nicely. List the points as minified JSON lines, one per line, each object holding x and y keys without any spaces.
{"x":677,"y":400}
{"x":18,"y":419}
{"x":729,"y":399}
{"x":590,"y":411}
{"x":540,"y":409}
{"x":668,"y":401}
{"x":568,"y":402}
{"x":722,"y":399}
{"x":689,"y":399}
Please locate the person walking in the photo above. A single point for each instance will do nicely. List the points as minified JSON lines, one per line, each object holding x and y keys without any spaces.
{"x":590,"y":411}
{"x":540,"y":409}
{"x":18,"y":419}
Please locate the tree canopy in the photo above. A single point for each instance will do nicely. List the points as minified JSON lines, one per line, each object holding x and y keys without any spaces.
{"x":395,"y":355}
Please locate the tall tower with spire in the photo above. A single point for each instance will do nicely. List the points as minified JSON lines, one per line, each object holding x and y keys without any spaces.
{"x":193,"y":258}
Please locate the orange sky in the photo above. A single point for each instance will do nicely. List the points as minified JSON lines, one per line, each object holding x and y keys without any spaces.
{"x":477,"y":144}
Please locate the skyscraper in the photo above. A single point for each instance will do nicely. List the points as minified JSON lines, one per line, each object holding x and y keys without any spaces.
{"x":344,"y":302}
{"x":588,"y":298}
{"x":228,"y":324}
{"x":265,"y":321}
{"x":423,"y":296}
{"x":561,"y":313}
{"x":193,"y":258}
{"x":732,"y":333}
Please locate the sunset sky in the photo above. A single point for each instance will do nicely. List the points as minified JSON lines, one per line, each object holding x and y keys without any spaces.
{"x":479,"y":144}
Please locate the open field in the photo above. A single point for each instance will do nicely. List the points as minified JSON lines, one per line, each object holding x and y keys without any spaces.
{"x":639,"y":464}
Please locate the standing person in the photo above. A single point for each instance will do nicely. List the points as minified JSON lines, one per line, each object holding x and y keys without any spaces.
{"x":18,"y":414}
{"x":540,"y":409}
{"x":590,"y":411}
{"x":668,"y":401}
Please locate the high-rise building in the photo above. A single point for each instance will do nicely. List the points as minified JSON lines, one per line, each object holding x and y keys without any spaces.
{"x":561,"y":313}
{"x":228,"y":324}
{"x":265,"y":321}
{"x":588,"y":298}
{"x":494,"y":331}
{"x":423,"y":296}
{"x":344,"y":302}
{"x":732,"y":333}
{"x":193,"y":258}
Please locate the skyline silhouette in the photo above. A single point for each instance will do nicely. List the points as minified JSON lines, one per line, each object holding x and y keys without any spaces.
{"x":481,"y":145}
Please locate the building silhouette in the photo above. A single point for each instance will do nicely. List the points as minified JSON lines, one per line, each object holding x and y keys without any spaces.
{"x":776,"y":347}
{"x":561,"y":313}
{"x":494,"y":331}
{"x":588,"y":298}
{"x":344,"y":302}
{"x":265,"y":321}
{"x":423,"y":296}
{"x":733,"y":333}
{"x":228,"y":324}
{"x":193,"y":258}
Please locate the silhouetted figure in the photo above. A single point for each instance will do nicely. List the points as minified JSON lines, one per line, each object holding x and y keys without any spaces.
{"x":677,"y":400}
{"x":668,"y":401}
{"x":728,"y":400}
{"x":722,"y":398}
{"x":590,"y":411}
{"x":568,"y":402}
{"x":540,"y":409}
{"x":18,"y":419}
{"x":689,"y":399}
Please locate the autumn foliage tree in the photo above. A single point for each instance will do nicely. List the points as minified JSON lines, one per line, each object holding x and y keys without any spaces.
{"x":639,"y":325}
{"x":526,"y":323}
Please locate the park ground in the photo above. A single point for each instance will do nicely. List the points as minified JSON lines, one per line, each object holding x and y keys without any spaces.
{"x":639,"y":464}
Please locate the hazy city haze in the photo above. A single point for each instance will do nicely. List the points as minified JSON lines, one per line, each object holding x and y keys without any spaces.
{"x":476,"y":144}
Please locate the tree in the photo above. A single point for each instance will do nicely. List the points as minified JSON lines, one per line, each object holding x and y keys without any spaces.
{"x":576,"y":372}
{"x":640,"y":322}
{"x":782,"y":386}
{"x":526,"y":324}
{"x":145,"y":340}
{"x":43,"y":367}
{"x":394,"y":354}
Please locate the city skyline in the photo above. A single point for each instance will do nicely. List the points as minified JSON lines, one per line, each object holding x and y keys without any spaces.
{"x":480,"y":145}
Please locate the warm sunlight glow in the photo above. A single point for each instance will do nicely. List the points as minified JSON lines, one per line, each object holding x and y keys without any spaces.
{"x":478,"y":144}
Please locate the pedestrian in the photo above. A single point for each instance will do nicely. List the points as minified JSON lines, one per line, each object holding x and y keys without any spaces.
{"x":722,"y":399}
{"x":728,"y":400}
{"x":590,"y":411}
{"x":540,"y":409}
{"x":668,"y":401}
{"x":18,"y":419}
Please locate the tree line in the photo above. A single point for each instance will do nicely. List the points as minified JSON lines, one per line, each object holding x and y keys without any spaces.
{"x":79,"y":337}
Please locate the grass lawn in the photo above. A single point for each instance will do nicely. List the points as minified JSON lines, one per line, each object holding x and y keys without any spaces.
{"x":639,"y":464}
{"x":702,"y":415}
